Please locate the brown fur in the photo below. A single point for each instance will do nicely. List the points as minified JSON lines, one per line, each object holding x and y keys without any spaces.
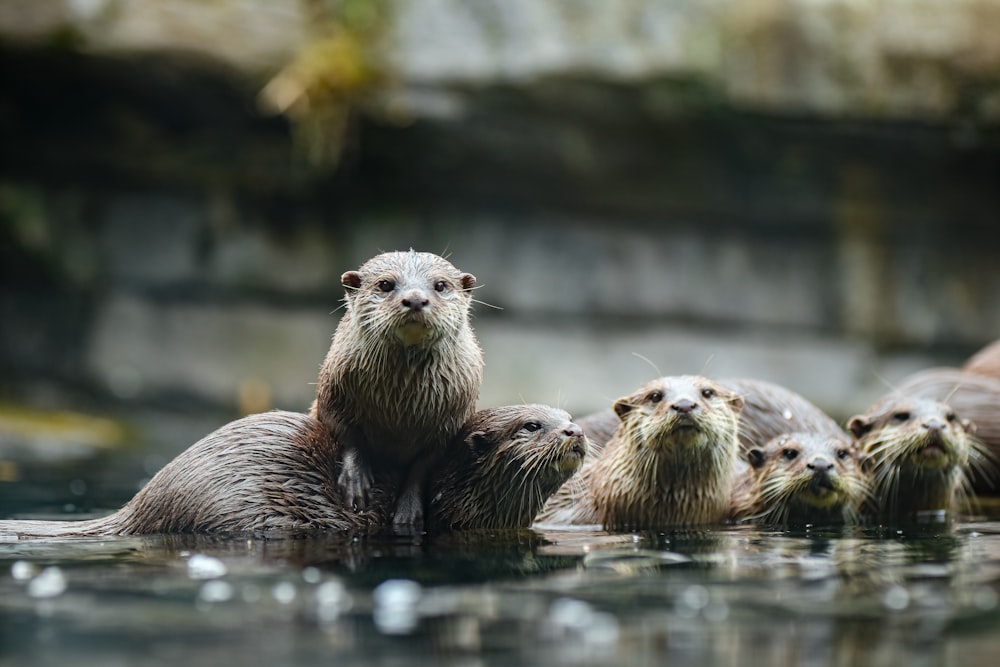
{"x":670,"y":463}
{"x":270,"y":472}
{"x":402,"y":374}
{"x":985,"y":362}
{"x":801,"y":478}
{"x":503,"y":466}
{"x":918,"y":453}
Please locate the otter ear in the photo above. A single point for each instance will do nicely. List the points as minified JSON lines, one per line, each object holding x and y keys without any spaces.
{"x":737,"y":402}
{"x":468,"y":281}
{"x":969,"y":426}
{"x":351,"y":280}
{"x":623,"y":406}
{"x":859,"y":425}
{"x":756,"y":457}
{"x":478,"y":442}
{"x":866,"y":463}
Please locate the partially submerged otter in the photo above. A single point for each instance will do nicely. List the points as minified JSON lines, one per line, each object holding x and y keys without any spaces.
{"x":918,"y":453}
{"x":503,"y":466}
{"x":670,"y":463}
{"x":801,"y":478}
{"x":402,"y":374}
{"x":275,"y":473}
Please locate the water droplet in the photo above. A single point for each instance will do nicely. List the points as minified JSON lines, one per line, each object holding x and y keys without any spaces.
{"x":50,"y":583}
{"x":215,"y":591}
{"x":395,"y":606}
{"x":205,"y":567}
{"x":333,"y":600}
{"x":284,"y":592}
{"x":896,"y":598}
{"x":312,"y":575}
{"x":78,"y":487}
{"x":22,"y":570}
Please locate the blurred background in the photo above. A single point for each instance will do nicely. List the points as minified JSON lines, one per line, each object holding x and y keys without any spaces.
{"x":801,"y":191}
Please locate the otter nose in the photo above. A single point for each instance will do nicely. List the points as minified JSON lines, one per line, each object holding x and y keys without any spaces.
{"x":684,"y":405}
{"x":573,"y":431}
{"x":934,"y":425}
{"x":415,"y":300}
{"x":820,"y":464}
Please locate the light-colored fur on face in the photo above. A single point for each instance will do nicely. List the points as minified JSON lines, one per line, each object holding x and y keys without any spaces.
{"x":802,"y":478}
{"x":670,"y":463}
{"x":917,"y":452}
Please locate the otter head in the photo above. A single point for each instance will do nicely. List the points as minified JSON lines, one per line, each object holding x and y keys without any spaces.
{"x":798,"y":474}
{"x":409,"y":297}
{"x":680,"y":413}
{"x":911,"y":433}
{"x":510,"y":460}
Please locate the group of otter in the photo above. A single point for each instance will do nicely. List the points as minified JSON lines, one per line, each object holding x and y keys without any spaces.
{"x":393,"y":438}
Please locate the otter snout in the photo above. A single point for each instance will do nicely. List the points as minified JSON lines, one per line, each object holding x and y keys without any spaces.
{"x":934,"y":425}
{"x":414,"y":300}
{"x":822,"y":470}
{"x":573,"y":431}
{"x":820,"y":464}
{"x":684,"y":406}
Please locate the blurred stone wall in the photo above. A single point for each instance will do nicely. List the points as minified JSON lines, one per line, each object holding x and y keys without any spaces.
{"x":800,"y":191}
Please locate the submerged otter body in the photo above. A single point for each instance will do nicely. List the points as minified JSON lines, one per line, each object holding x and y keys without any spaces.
{"x":670,"y":463}
{"x":402,"y":374}
{"x":275,"y":473}
{"x":269,"y":472}
{"x":801,"y":478}
{"x":503,"y":466}
{"x":918,"y":454}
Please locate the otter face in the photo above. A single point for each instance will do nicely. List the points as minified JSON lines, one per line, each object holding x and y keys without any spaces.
{"x":920,"y":434}
{"x":801,"y":472}
{"x":409,"y":296}
{"x":680,"y":411}
{"x":514,"y":459}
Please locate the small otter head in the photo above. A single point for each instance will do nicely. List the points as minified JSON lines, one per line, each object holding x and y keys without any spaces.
{"x":916,"y":450}
{"x":409,"y":297}
{"x":505,"y":464}
{"x":803,"y":477}
{"x":679,"y":414}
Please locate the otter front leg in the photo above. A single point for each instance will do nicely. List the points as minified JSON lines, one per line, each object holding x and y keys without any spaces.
{"x":410,"y":506}
{"x":355,"y":479}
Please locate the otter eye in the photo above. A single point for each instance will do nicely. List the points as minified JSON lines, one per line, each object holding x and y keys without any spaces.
{"x":789,"y":454}
{"x":707,"y":393}
{"x":440,"y":286}
{"x":387,"y":285}
{"x":531,"y":427}
{"x":950,"y":416}
{"x":901,"y":416}
{"x":655,"y":397}
{"x":843,"y":454}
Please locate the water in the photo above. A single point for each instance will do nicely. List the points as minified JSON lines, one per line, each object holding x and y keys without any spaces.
{"x":728,"y":595}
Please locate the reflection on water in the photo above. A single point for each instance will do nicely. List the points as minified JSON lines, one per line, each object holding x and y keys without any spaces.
{"x":730,"y":596}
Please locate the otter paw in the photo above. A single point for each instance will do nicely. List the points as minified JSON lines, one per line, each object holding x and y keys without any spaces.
{"x":356,"y":481}
{"x":409,"y":509}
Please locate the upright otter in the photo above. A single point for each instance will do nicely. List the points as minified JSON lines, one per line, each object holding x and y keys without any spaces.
{"x":402,"y":374}
{"x":671,"y":461}
{"x":801,"y":478}
{"x":503,"y":466}
{"x":917,"y":452}
{"x":276,"y":473}
{"x":985,"y":362}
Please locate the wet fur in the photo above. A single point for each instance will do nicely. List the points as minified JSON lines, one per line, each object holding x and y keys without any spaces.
{"x":498,"y":473}
{"x":892,"y":437}
{"x":779,"y":487}
{"x":390,"y":403}
{"x":650,"y":474}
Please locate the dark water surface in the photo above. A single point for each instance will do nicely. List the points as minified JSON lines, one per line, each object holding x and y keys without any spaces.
{"x":728,"y":596}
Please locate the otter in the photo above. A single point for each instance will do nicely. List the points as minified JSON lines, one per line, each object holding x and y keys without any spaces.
{"x":670,"y":463}
{"x":918,"y":453}
{"x":801,"y":478}
{"x":276,"y":473}
{"x":985,"y":362}
{"x":402,"y":374}
{"x":503,"y":466}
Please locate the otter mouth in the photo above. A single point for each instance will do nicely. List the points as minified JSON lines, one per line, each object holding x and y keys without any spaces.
{"x":571,"y":456}
{"x":412,"y":331}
